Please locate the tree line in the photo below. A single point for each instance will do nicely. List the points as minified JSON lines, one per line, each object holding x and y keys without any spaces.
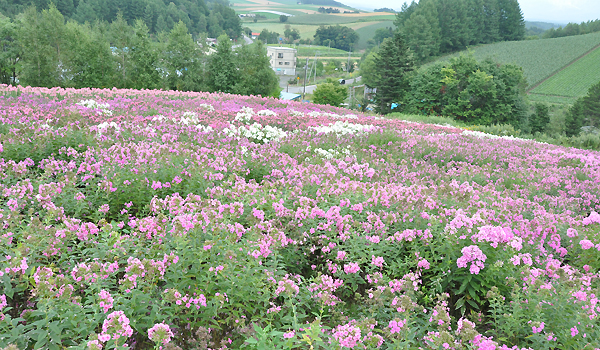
{"x":41,"y":48}
{"x":572,"y":29}
{"x":434,"y":27}
{"x":213,"y":18}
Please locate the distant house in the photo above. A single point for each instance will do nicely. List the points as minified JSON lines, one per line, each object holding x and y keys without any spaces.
{"x":254,"y":35}
{"x":283,"y":60}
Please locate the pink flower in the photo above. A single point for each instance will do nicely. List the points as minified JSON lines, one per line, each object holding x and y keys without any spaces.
{"x":351,"y":268}
{"x":289,"y":335}
{"x":574,"y":331}
{"x":106,"y":301}
{"x":423,"y":263}
{"x":347,"y":335}
{"x":538,"y":329}
{"x":160,"y":333}
{"x":115,"y":326}
{"x":377,"y":261}
{"x":472,"y":254}
{"x":396,"y":326}
{"x":341,"y":255}
{"x":586,"y":244}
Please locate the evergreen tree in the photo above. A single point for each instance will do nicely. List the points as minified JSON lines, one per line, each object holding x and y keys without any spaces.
{"x":511,"y":22}
{"x":183,"y":60}
{"x":394,"y":62}
{"x":476,"y":21}
{"x":9,"y":51}
{"x":420,"y":37}
{"x":254,"y":73}
{"x":84,"y":12}
{"x":584,"y":112}
{"x":144,"y":58}
{"x":540,"y":118}
{"x":121,"y":37}
{"x":221,"y":69}
{"x":491,"y":29}
{"x":453,"y":25}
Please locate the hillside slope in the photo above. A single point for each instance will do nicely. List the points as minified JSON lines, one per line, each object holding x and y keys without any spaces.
{"x":539,"y":58}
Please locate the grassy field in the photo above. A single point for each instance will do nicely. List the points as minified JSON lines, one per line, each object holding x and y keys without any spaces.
{"x":575,"y":80}
{"x":367,"y":32}
{"x":539,"y":58}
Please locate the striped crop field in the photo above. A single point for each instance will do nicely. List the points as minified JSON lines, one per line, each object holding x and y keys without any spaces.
{"x":575,"y":80}
{"x":539,"y":58}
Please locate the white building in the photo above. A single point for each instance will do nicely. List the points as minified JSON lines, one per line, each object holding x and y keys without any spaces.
{"x":283,"y":60}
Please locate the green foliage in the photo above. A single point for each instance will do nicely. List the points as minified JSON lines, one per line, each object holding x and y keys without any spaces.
{"x":539,"y":58}
{"x":268,"y":37}
{"x":445,"y":26}
{"x":343,"y":38}
{"x":9,"y":51}
{"x":283,"y":18}
{"x":540,"y":118}
{"x":183,"y":59}
{"x":330,"y":93}
{"x":254,"y":73}
{"x":585,"y":112}
{"x":158,"y":16}
{"x":291,"y":34}
{"x":393,"y":62}
{"x":470,"y":91}
{"x":368,"y":69}
{"x":573,"y":29}
{"x":221,"y":67}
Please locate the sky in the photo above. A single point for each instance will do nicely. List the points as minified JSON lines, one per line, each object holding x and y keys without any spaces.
{"x":554,"y":11}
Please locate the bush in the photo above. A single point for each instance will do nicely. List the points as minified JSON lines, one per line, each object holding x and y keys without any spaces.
{"x":473,"y":92}
{"x":330,"y":94}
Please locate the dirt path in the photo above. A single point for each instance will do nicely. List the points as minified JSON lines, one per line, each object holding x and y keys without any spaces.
{"x":563,"y":68}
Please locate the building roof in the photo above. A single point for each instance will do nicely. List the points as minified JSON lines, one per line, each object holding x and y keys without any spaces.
{"x":289,"y":96}
{"x":281,"y":48}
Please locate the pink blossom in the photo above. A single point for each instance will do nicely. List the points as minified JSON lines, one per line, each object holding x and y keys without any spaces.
{"x":160,"y":333}
{"x":351,"y":268}
{"x":377,"y":261}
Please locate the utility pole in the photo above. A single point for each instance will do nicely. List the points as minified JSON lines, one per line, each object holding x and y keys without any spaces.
{"x":348,"y":65}
{"x":305,"y":71}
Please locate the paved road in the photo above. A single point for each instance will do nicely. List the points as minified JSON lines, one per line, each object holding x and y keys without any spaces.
{"x":247,"y":40}
{"x":311,"y":88}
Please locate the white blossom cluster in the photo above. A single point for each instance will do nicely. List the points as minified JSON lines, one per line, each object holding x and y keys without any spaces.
{"x":266,"y":113}
{"x":91,"y":104}
{"x":188,"y":118}
{"x":102,"y":127}
{"x":331,"y":153}
{"x":296,"y":113}
{"x":203,"y":128}
{"x":482,"y":135}
{"x":343,"y":128}
{"x":256,"y":132}
{"x":244,"y":115}
{"x":208,"y":107}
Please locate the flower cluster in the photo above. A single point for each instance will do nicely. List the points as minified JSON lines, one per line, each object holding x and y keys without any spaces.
{"x":472,"y":254}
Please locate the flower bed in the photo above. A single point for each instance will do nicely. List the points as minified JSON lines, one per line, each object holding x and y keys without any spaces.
{"x":149,"y":219}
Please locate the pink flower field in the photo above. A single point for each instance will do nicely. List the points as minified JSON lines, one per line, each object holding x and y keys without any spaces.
{"x":169,"y":220}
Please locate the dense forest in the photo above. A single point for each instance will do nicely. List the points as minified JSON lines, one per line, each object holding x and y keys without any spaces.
{"x":42,"y":48}
{"x":434,"y":27}
{"x":213,"y":17}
